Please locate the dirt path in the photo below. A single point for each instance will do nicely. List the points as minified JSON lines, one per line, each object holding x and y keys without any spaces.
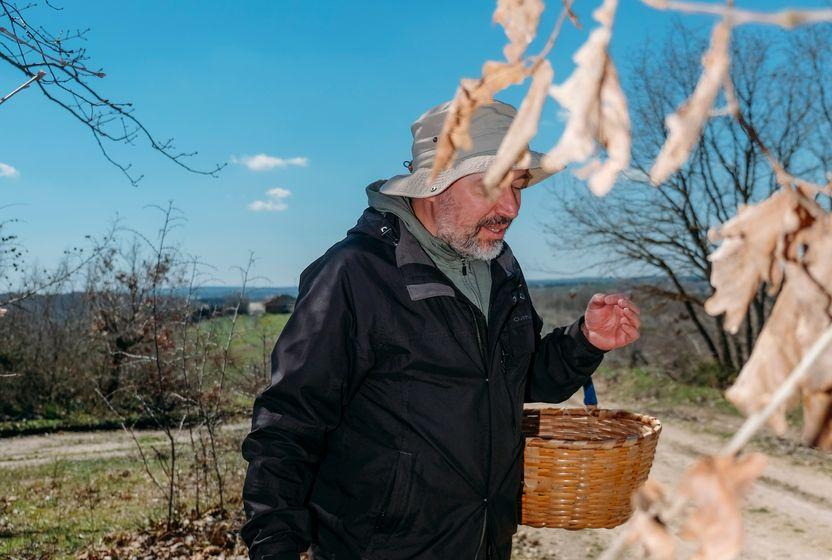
{"x":68,"y":446}
{"x":788,"y":515}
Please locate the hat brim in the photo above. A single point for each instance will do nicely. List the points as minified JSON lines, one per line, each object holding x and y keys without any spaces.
{"x":417,"y":185}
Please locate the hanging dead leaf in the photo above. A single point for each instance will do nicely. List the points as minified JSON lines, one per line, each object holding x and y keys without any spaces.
{"x":523,"y":128}
{"x":653,"y":535}
{"x":753,"y":241}
{"x":471,"y":94}
{"x":646,"y":527}
{"x":802,"y":312}
{"x":715,"y":486}
{"x":685,"y":125}
{"x":613,"y":133}
{"x":519,"y":18}
{"x":597,"y":109}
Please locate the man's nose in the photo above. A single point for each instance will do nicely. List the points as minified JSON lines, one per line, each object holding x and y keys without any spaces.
{"x":509,"y":203}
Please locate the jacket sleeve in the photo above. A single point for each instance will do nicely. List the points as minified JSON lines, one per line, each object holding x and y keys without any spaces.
{"x":311,"y":361}
{"x":563,"y":361}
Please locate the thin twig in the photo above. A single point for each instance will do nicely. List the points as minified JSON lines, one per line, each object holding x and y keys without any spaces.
{"x":132,"y":434}
{"x":785,"y":18}
{"x":553,"y":36}
{"x":783,"y":177}
{"x":23,"y":86}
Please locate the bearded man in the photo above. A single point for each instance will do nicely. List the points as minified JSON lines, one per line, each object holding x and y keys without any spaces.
{"x":391,"y":428}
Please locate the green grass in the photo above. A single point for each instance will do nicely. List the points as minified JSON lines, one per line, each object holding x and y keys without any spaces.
{"x":52,"y":511}
{"x":655,"y":388}
{"x":251,"y":345}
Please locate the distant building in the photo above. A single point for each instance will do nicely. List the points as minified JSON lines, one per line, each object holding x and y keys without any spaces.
{"x":280,"y":304}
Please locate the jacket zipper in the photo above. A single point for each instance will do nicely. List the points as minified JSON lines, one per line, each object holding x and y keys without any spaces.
{"x":482,"y":535}
{"x":504,"y":363}
{"x":488,"y":470}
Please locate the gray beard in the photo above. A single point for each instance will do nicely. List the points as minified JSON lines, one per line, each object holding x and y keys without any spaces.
{"x":464,"y":243}
{"x":467,"y":245}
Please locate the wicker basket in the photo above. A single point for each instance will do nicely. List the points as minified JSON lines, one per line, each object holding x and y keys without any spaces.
{"x":582,"y":465}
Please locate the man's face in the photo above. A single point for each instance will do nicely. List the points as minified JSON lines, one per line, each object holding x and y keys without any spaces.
{"x":471,"y":223}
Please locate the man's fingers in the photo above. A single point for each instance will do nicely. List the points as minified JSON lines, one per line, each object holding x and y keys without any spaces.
{"x":632,"y":317}
{"x":613,"y":299}
{"x":621,"y":300}
{"x":597,"y":301}
{"x":628,"y":303}
{"x":630,"y":331}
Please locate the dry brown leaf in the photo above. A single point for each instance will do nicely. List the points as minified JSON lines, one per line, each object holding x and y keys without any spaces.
{"x":523,"y":128}
{"x":519,"y":18}
{"x":613,"y":133}
{"x":817,"y":413}
{"x":685,"y":125}
{"x":750,"y":253}
{"x":471,"y":94}
{"x":715,"y":486}
{"x":597,"y":111}
{"x":802,"y":312}
{"x":646,"y":528}
{"x":657,"y":541}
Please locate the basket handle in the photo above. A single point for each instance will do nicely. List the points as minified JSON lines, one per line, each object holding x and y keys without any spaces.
{"x":590,"y":398}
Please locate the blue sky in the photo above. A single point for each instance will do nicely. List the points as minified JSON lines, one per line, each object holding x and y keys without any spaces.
{"x":336,"y":84}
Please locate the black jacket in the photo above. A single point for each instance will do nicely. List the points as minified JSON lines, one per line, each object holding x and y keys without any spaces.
{"x":391,"y":428}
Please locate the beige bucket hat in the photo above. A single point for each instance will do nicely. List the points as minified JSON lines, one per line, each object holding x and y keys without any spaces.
{"x":489,"y":125}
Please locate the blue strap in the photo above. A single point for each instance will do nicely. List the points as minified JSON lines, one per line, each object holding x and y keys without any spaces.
{"x":590,"y":398}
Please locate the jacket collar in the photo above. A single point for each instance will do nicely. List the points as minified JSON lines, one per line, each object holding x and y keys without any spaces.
{"x":421,"y":276}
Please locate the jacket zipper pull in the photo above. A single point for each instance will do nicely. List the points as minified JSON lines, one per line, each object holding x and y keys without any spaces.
{"x":464,"y":268}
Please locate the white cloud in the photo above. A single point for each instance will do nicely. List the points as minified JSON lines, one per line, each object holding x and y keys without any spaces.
{"x":7,"y":170}
{"x":275,"y":201}
{"x":265,"y":162}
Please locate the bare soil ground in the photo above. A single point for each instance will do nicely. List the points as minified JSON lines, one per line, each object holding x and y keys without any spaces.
{"x":67,"y":446}
{"x":788,"y":514}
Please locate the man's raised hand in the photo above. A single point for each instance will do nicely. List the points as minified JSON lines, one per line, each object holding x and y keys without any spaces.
{"x":611,"y":321}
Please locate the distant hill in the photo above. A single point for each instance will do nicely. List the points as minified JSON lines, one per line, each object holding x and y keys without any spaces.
{"x":214,"y":293}
{"x":603,"y":281}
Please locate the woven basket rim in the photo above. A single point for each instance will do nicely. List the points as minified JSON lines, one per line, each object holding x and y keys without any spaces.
{"x":652,"y":425}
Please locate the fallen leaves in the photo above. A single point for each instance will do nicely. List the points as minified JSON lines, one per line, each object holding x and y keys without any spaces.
{"x":685,"y":125}
{"x":209,"y":536}
{"x":597,"y":109}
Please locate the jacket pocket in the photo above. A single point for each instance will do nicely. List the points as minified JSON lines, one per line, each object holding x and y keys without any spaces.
{"x":395,"y":509}
{"x":505,"y":358}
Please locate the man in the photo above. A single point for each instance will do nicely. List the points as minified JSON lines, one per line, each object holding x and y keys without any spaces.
{"x":391,"y":429}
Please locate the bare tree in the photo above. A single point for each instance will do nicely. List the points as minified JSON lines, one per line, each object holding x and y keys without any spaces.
{"x":664,"y":231}
{"x":59,"y":66}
